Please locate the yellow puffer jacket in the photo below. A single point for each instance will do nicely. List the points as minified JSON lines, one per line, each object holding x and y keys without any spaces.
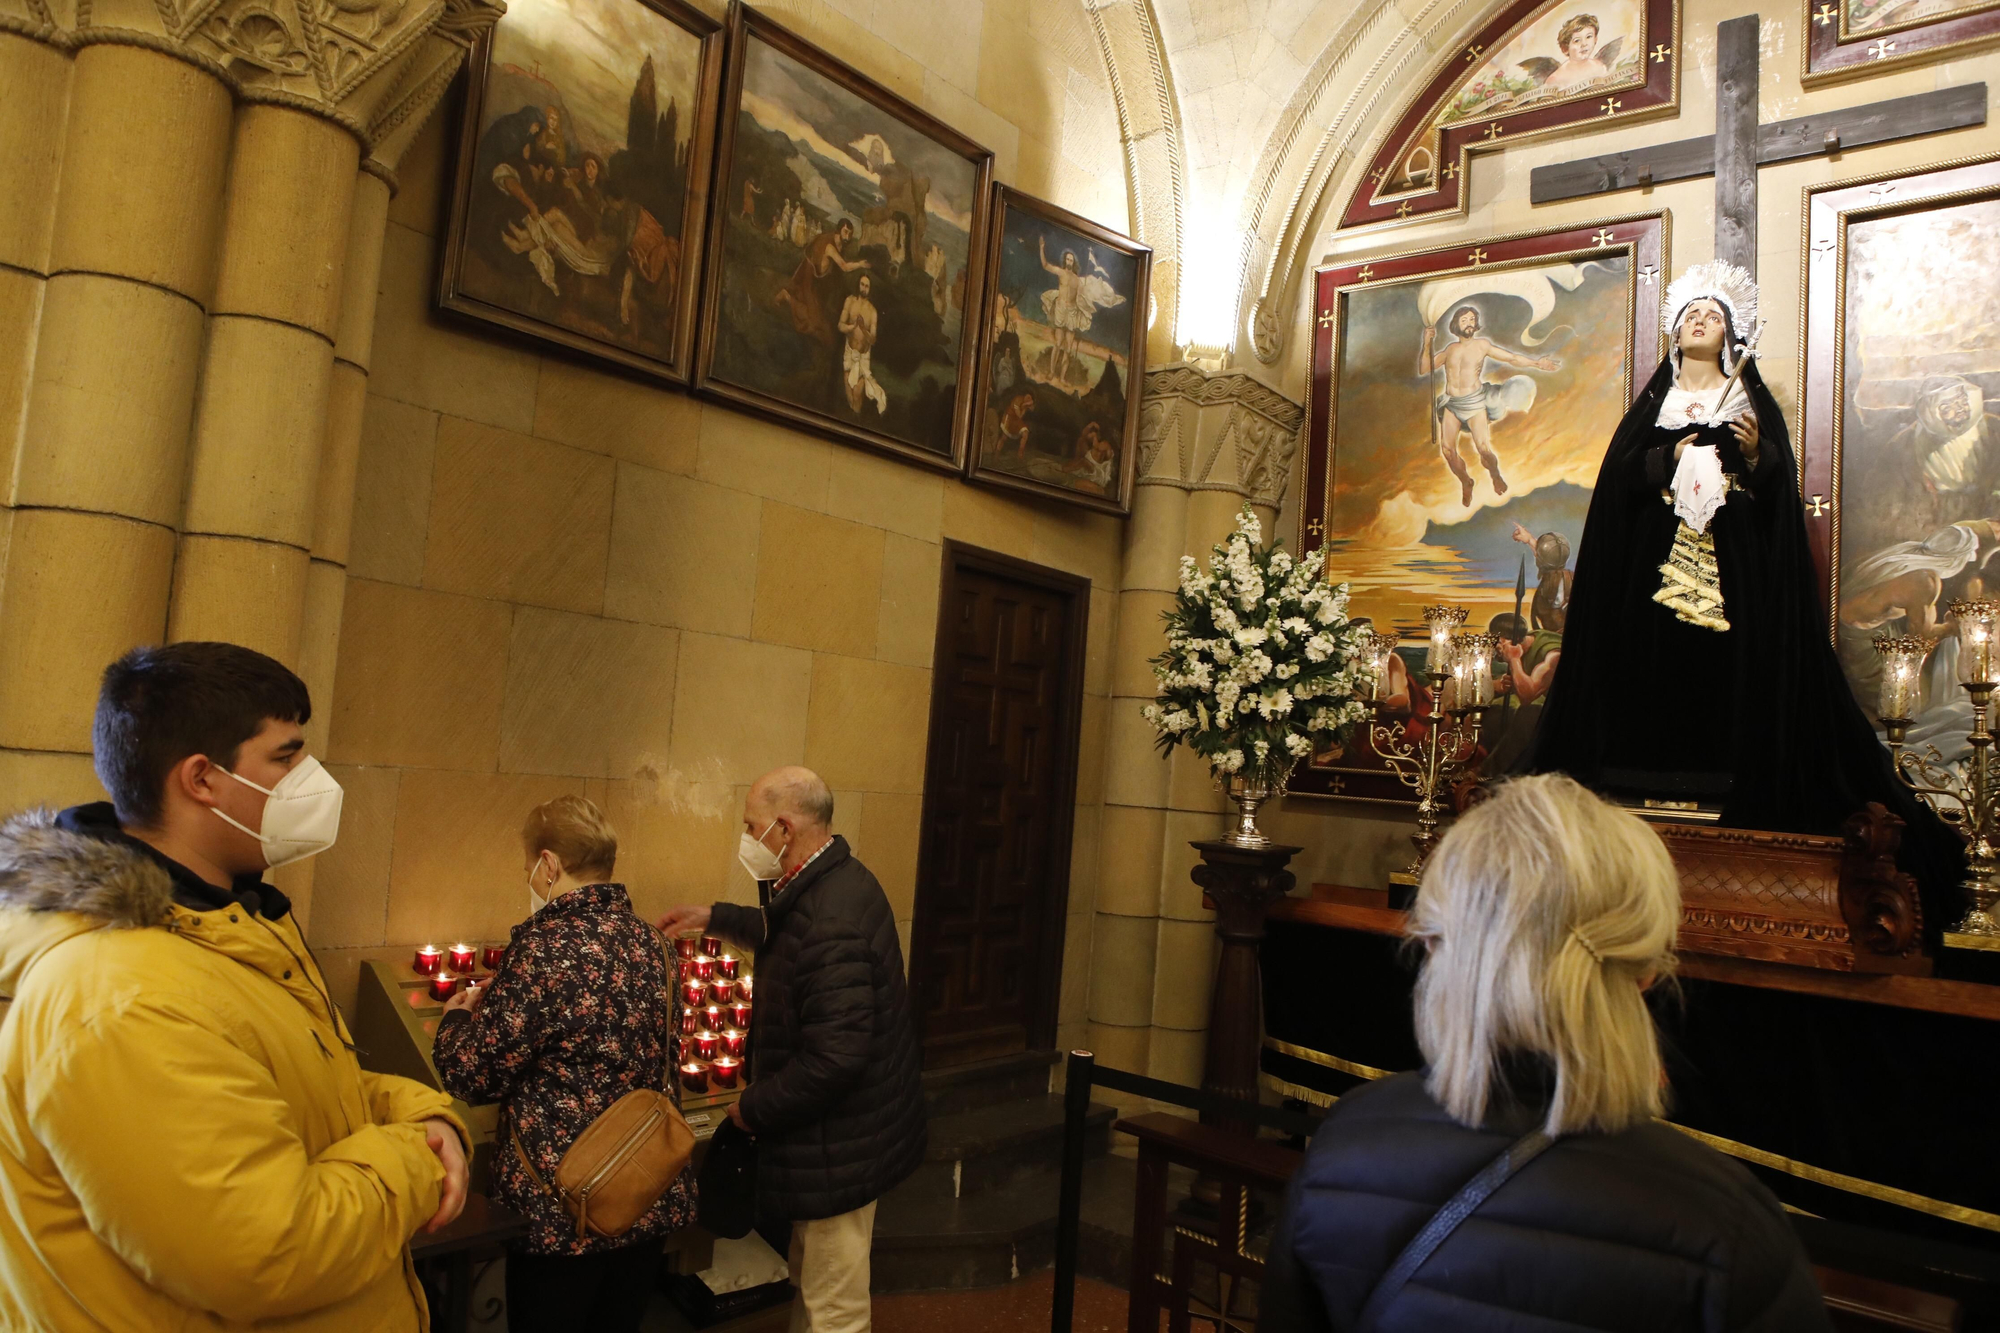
{"x":186,"y":1139}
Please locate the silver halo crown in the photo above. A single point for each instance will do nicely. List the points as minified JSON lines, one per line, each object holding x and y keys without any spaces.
{"x":1716,"y":281}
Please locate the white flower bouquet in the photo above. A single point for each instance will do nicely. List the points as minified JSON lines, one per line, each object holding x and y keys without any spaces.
{"x":1261,"y":661}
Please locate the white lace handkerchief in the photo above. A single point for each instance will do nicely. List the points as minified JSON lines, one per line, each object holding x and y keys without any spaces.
{"x":1698,"y":486}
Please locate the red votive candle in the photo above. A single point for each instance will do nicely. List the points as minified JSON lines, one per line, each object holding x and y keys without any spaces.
{"x":711,"y":945}
{"x":743,"y":988}
{"x":721,"y":992}
{"x":711,"y":1018}
{"x":462,"y":956}
{"x":492,"y":955}
{"x":739,"y":1015}
{"x":705,"y":1045}
{"x":692,"y":993}
{"x":701,"y":966}
{"x":443,"y":987}
{"x":687,"y":946}
{"x":726,"y":965}
{"x":426,"y":962}
{"x":694,"y":1076}
{"x":733,"y":1043}
{"x":724,"y":1071}
{"x":690,"y":1022}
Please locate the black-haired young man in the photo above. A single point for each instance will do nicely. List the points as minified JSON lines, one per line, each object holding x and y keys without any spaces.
{"x":186,"y":1138}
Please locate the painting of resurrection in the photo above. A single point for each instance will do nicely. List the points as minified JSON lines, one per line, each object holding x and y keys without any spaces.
{"x":842,"y":289}
{"x":582,"y":177}
{"x":1459,"y":406}
{"x":1062,"y":363}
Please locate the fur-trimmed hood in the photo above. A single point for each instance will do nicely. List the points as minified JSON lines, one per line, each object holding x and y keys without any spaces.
{"x":55,"y":885}
{"x":44,"y":868}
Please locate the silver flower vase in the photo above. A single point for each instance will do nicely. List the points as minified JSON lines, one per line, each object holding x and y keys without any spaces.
{"x":1250,"y":792}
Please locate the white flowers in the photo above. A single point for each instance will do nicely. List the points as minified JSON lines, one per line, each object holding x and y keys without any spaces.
{"x":1260,"y":658}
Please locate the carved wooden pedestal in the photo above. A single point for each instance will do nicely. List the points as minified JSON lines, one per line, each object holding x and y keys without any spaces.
{"x":1241,"y":884}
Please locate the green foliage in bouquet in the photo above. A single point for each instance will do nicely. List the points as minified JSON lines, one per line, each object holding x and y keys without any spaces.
{"x":1261,"y":661}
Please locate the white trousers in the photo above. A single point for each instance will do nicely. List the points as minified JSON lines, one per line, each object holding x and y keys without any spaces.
{"x":829,"y":1262}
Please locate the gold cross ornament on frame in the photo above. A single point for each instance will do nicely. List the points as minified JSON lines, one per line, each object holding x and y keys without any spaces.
{"x":1881,"y":49}
{"x":1660,"y":53}
{"x":1326,"y":319}
{"x":1824,"y":15}
{"x":1819,"y":506}
{"x":1604,"y":237}
{"x":1611,"y":105}
{"x":1476,"y":258}
{"x":1367,"y":273}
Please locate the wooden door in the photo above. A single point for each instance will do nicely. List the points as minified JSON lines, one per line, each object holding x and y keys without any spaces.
{"x":999,"y":801}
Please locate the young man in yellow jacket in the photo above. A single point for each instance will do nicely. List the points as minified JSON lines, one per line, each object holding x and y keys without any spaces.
{"x":186,"y":1138}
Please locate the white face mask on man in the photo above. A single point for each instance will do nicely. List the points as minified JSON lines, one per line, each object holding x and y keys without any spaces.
{"x":760,"y":861}
{"x":302,"y":816}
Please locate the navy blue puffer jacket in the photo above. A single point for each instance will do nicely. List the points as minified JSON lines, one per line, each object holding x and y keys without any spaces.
{"x":1645,"y":1231}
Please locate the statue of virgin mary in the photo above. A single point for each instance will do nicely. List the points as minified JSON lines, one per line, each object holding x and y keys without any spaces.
{"x":1696,"y":664}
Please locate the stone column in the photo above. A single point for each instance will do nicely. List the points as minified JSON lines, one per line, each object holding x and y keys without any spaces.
{"x":1207,"y":442}
{"x":183,"y":218}
{"x":96,"y":486}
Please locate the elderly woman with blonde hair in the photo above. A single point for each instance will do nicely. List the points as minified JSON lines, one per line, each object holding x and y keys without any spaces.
{"x":1523,"y":1179}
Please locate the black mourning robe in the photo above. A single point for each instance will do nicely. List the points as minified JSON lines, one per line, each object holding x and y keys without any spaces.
{"x":1759,"y":716}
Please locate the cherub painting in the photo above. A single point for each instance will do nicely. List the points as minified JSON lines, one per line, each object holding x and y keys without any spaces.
{"x":1565,"y":51}
{"x":1584,"y":60}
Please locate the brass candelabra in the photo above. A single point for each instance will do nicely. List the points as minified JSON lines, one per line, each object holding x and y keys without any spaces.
{"x":1966,"y":800}
{"x":1459,"y":669}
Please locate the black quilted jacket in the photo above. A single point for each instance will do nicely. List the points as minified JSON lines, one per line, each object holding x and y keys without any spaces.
{"x":836,"y":1100}
{"x":1641,"y":1232}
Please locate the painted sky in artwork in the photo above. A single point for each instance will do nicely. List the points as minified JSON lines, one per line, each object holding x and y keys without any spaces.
{"x":1396,"y":529}
{"x":591,"y":51}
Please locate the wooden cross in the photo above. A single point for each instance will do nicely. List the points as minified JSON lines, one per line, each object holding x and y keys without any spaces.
{"x":1740,"y":145}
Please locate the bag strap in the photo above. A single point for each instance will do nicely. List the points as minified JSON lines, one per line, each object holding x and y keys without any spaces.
{"x":533,"y":1174}
{"x":1446,"y":1220}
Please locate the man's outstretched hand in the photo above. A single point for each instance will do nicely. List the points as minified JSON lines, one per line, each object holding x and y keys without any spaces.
{"x":683,"y":919}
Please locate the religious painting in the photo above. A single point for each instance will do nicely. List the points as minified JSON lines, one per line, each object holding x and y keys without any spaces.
{"x":1850,"y":38}
{"x":1538,"y":67}
{"x":582,"y":186}
{"x":1056,"y":407}
{"x":1460,"y":403}
{"x":844,"y":271}
{"x":1901,"y":420}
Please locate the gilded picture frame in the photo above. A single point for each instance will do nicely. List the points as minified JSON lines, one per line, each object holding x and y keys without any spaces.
{"x":844,"y":273}
{"x":1528,"y":320}
{"x":1847,"y":39}
{"x":1900,"y":417}
{"x":579,"y":201}
{"x":1531,"y":71}
{"x":1062,"y":355}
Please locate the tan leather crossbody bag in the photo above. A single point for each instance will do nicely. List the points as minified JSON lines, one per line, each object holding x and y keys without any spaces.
{"x":623,"y":1161}
{"x":621,"y":1164}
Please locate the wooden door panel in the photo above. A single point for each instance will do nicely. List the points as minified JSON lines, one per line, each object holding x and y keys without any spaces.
{"x":998,"y":799}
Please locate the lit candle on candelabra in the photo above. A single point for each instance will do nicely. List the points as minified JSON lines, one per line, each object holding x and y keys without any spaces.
{"x":1902,"y":666}
{"x":701,"y":966}
{"x":443,"y":986}
{"x":739,"y":1014}
{"x":426,"y":962}
{"x":1445,"y":622}
{"x":690,"y":1022}
{"x":733,"y":1043}
{"x":1976,"y":627}
{"x":704,"y":1044}
{"x":462,"y":956}
{"x":724,"y":1070}
{"x":721,"y":992}
{"x":694,"y":1076}
{"x":1476,"y":655}
{"x":693,"y":993}
{"x":711,"y":1017}
{"x":725,"y":966}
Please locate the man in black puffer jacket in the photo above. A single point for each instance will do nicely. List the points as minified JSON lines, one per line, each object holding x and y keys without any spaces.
{"x":836,"y":1098}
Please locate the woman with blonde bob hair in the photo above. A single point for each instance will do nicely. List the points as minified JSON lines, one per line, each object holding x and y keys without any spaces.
{"x":1523,"y":1179}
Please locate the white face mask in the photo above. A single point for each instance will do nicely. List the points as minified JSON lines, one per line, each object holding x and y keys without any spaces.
{"x":762,"y":863}
{"x":302,"y":816}
{"x":536,"y":902}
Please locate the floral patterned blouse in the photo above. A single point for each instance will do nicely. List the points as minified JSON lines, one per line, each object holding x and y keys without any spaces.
{"x":582,"y":1010}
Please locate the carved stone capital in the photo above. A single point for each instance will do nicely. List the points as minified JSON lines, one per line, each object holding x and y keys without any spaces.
{"x":375,"y":67}
{"x":1217,"y":432}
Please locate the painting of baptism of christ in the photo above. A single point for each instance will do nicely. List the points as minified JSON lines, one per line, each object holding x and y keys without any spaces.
{"x":1460,"y":410}
{"x":1918,"y":404}
{"x":582,"y":177}
{"x":1063,"y":357}
{"x":843,"y":291}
